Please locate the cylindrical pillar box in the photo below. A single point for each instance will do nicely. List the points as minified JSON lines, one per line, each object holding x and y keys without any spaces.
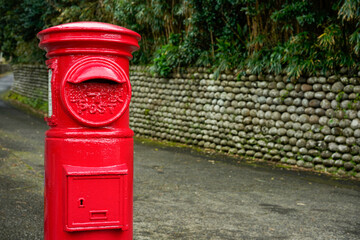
{"x":89,"y":146}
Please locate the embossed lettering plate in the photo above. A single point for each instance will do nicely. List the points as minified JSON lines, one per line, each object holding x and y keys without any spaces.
{"x":96,"y":102}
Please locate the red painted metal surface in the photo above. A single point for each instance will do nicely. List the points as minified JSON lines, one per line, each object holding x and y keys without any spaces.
{"x":89,"y":146}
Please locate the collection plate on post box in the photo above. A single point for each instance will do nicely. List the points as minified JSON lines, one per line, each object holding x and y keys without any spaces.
{"x":94,"y":198}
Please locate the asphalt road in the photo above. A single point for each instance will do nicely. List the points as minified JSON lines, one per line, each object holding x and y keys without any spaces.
{"x":182,"y":194}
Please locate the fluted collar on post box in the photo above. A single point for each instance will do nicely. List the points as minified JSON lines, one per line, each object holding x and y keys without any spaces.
{"x":88,"y":38}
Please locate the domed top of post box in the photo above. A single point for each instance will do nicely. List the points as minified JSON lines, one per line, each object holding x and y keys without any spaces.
{"x":88,"y":38}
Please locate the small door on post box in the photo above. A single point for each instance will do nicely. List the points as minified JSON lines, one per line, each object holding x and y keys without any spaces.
{"x":95,"y":198}
{"x":96,"y":91}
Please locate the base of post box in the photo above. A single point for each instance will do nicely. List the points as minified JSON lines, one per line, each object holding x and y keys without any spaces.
{"x":95,"y":198}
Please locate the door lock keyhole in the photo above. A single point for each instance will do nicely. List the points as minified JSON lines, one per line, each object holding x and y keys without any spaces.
{"x":81,"y":203}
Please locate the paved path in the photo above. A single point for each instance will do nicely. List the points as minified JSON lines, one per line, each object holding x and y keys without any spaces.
{"x":180,"y":194}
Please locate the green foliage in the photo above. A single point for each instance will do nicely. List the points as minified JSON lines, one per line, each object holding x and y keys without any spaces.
{"x":298,"y":37}
{"x":350,"y":10}
{"x":35,"y":103}
{"x":166,"y":58}
{"x":293,"y":36}
{"x":20,"y":20}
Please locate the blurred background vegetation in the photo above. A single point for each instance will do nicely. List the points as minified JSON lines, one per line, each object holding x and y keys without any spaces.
{"x":291,"y":36}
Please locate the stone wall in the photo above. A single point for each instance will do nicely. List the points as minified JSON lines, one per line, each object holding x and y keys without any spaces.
{"x":4,"y":68}
{"x":314,"y":123}
{"x":31,"y":81}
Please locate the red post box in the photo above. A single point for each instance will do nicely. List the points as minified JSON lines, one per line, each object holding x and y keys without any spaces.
{"x":89,"y":146}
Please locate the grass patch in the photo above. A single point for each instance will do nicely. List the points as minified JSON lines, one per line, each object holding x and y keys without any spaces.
{"x":34,"y":106}
{"x":284,"y":166}
{"x":4,"y":74}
